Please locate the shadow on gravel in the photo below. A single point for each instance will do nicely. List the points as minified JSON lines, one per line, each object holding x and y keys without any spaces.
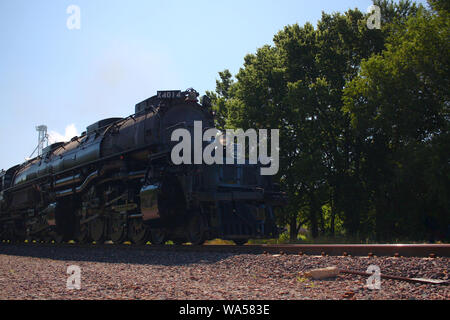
{"x":172,"y":256}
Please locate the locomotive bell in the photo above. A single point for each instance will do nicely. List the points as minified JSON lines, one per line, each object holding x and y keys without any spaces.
{"x":191,"y":94}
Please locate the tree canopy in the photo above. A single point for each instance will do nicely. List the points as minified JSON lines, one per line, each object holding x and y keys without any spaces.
{"x":363,"y":119}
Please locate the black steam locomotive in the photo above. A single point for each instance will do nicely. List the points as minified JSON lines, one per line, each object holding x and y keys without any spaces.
{"x":117,"y":182}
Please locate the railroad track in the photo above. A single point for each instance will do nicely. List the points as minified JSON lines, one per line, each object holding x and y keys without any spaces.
{"x":394,"y":250}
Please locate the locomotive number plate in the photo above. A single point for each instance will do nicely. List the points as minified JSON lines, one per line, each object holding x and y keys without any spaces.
{"x":172,"y":94}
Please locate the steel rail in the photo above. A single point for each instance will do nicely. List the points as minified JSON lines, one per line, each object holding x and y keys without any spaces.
{"x":398,"y":250}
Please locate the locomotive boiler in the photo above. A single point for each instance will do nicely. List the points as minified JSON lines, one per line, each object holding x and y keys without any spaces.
{"x":117,"y":182}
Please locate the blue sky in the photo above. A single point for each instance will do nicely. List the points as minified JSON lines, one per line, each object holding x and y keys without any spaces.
{"x":124,"y":52}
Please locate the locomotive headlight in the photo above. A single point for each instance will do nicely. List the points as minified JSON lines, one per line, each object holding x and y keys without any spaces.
{"x":222,"y":138}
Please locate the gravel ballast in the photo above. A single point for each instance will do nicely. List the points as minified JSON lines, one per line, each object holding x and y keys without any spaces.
{"x":40,"y":272}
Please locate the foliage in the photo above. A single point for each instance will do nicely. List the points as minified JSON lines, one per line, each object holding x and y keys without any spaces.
{"x":399,"y":107}
{"x":363,"y":119}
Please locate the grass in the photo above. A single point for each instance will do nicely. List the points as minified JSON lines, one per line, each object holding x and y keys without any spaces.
{"x":301,"y":239}
{"x":340,"y":239}
{"x":219,"y":242}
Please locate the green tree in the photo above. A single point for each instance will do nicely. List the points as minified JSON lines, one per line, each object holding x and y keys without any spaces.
{"x":220,"y":97}
{"x":399,"y":107}
{"x":297,"y":86}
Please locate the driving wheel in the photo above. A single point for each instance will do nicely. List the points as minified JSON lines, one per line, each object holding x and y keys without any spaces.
{"x":137,"y":231}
